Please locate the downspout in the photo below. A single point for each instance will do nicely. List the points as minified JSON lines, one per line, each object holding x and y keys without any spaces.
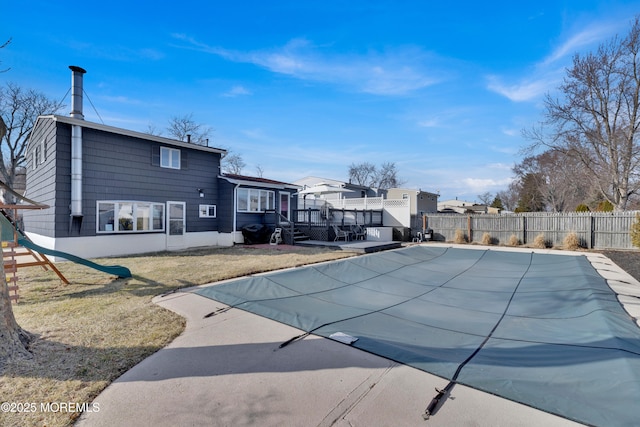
{"x":76,"y":147}
{"x":235,"y":211}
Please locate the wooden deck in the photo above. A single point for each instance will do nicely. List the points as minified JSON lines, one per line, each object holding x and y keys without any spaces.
{"x":362,"y":246}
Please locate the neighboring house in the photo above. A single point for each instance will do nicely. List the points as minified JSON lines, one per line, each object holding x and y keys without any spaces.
{"x":112,"y":191}
{"x":420,"y":203}
{"x":354,"y":191}
{"x":247,"y":200}
{"x":462,"y":206}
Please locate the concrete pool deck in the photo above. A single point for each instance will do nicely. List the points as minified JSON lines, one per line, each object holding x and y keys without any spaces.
{"x":228,"y":370}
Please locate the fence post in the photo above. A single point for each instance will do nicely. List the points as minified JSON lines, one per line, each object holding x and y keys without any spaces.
{"x":469,"y":228}
{"x":592,"y":231}
{"x":524,"y":229}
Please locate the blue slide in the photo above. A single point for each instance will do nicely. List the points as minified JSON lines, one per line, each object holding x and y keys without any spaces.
{"x":115,"y":270}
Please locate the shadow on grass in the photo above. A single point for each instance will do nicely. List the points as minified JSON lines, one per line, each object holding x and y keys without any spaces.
{"x":63,"y":362}
{"x":138,"y":286}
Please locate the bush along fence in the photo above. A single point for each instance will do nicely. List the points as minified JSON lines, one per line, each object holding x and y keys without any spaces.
{"x":595,"y":230}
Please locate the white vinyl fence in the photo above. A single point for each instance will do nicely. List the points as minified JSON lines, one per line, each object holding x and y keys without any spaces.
{"x":596,"y":230}
{"x":396,"y":212}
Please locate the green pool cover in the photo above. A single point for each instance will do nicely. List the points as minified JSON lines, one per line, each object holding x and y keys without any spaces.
{"x":543,"y":330}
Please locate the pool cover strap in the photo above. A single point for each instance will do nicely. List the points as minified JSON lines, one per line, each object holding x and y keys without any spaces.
{"x":431,"y":408}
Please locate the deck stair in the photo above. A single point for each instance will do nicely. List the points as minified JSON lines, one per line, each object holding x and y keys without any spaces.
{"x":299,"y":236}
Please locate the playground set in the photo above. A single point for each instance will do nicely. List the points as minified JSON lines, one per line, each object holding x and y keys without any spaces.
{"x":19,"y":251}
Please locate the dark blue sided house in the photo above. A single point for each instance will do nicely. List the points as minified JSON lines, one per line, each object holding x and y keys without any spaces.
{"x":247,"y":200}
{"x":112,"y":191}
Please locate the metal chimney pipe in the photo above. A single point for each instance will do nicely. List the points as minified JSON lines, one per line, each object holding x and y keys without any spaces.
{"x":76,"y":92}
{"x":76,"y":141}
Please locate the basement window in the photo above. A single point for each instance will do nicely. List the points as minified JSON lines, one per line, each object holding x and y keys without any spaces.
{"x":129,"y":217}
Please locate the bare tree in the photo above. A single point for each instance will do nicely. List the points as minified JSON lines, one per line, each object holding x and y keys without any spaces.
{"x":152,"y":129}
{"x":233,"y":163}
{"x":598,"y":117}
{"x":362,"y":173}
{"x":259,"y":171}
{"x":387,"y":176}
{"x":510,"y":196}
{"x":561,"y":180}
{"x":19,"y":108}
{"x":3,"y":45}
{"x":186,"y":128}
{"x":486,"y":198}
{"x":14,"y":341}
{"x":383,"y":177}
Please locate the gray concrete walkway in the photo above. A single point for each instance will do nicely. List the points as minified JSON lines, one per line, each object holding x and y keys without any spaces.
{"x":227,"y":370}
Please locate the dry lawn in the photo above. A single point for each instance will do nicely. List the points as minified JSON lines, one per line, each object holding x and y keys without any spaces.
{"x":90,"y":332}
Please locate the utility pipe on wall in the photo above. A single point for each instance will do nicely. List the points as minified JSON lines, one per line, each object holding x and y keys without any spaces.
{"x":76,"y":141}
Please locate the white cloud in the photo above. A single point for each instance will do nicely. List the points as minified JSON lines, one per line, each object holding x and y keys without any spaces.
{"x":120,"y":99}
{"x":429,"y":123}
{"x":526,"y":89}
{"x":396,"y":72}
{"x":591,"y":35}
{"x":548,"y":73}
{"x":485,"y":184}
{"x":511,"y":132}
{"x":237,"y":91}
{"x":500,"y":166}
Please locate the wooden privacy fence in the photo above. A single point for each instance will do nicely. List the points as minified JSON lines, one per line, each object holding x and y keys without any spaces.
{"x":596,"y":230}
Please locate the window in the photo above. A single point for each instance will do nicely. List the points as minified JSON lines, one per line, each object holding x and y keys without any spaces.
{"x":169,"y":158}
{"x":207,"y":211}
{"x":130,"y":217}
{"x":254,"y":200}
{"x":40,"y":154}
{"x":43,"y":151}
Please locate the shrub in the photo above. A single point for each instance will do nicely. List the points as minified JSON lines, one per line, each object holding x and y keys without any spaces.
{"x":635,"y":231}
{"x":540,"y":242}
{"x":571,"y":241}
{"x":486,"y":239}
{"x":582,"y":208}
{"x":605,"y":206}
{"x":513,"y":240}
{"x":459,"y":237}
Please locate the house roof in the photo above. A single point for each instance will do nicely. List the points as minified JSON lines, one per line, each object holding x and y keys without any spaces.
{"x":310,"y":181}
{"x":131,"y":133}
{"x":257,"y":181}
{"x":411,"y":190}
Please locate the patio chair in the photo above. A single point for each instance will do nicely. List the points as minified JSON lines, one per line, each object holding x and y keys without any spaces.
{"x":340,"y":234}
{"x":359,"y":232}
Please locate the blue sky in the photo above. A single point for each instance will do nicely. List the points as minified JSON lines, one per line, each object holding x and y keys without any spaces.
{"x":299,"y":88}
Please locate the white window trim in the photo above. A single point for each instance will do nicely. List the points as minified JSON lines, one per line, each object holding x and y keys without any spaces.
{"x":171,"y":153}
{"x":43,"y":151}
{"x":117,"y":204}
{"x":270,"y":195}
{"x":204,"y":211}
